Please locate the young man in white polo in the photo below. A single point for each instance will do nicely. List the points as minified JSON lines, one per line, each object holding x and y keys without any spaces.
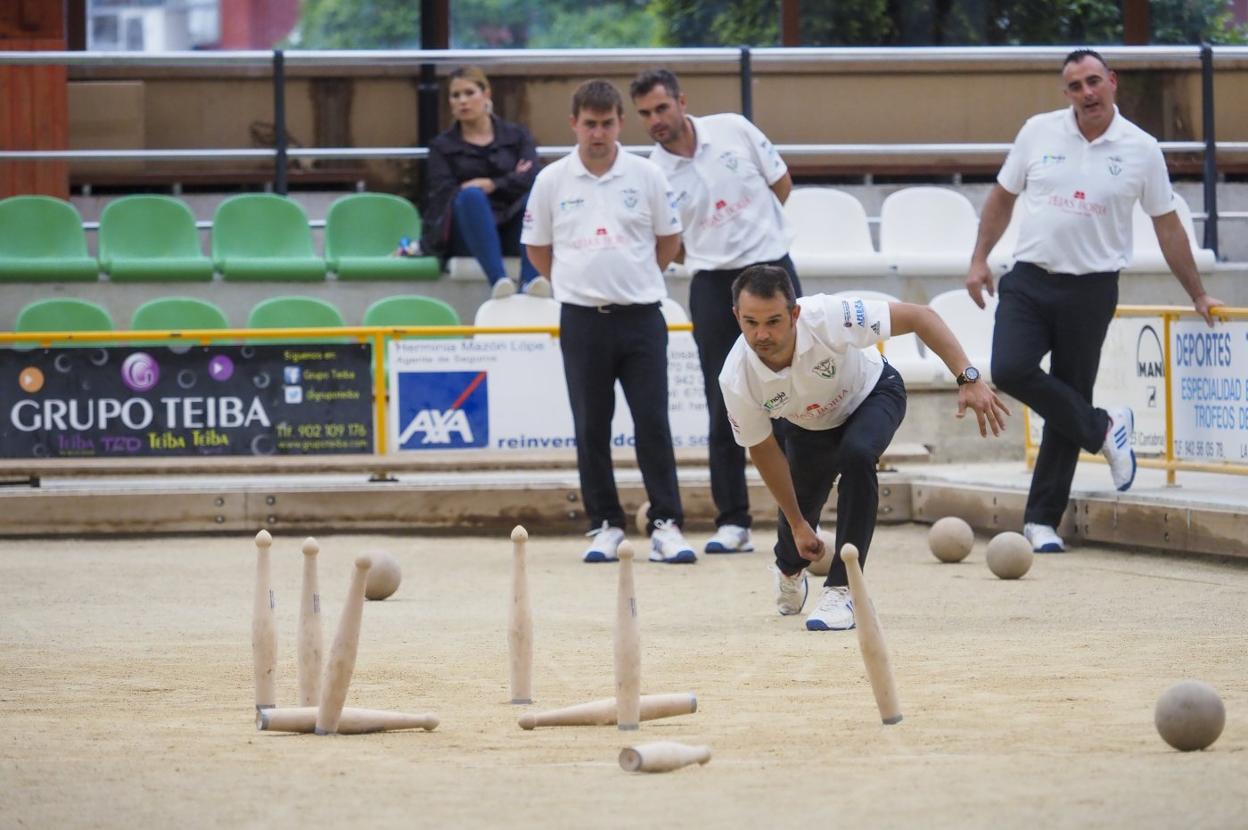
{"x":1081,"y":171}
{"x":814,"y":363}
{"x":600,"y":224}
{"x":730,"y":184}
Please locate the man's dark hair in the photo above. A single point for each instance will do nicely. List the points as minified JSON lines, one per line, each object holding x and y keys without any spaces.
{"x":597,"y":96}
{"x":764,"y":282}
{"x":1080,"y":54}
{"x":651,"y":78}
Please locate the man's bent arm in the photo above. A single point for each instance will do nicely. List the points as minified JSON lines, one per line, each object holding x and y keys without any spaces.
{"x":774,"y":468}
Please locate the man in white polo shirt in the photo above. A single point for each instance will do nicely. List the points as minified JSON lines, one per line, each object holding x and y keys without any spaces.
{"x":1081,"y":170}
{"x":730,"y":184}
{"x":813,"y":362}
{"x":601,"y":225}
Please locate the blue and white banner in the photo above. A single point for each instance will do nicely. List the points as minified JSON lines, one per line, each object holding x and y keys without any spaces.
{"x":1209,"y":392}
{"x":507,"y":393}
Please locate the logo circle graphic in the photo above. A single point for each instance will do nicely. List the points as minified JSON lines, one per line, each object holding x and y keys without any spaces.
{"x":140,"y":372}
{"x":221,"y":368}
{"x":30,"y":379}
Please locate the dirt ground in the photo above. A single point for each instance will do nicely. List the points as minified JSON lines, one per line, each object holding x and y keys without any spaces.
{"x":126,"y":694}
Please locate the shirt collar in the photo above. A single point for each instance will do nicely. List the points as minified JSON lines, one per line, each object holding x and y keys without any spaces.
{"x":700,"y":141}
{"x":1112,"y":133}
{"x":579,"y":169}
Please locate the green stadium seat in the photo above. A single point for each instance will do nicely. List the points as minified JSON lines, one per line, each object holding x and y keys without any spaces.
{"x":296,"y":312}
{"x":178,"y":314}
{"x":63,"y":314}
{"x":151,"y":239}
{"x":41,"y":240}
{"x":411,"y":310}
{"x":362,"y":232}
{"x":260,"y":237}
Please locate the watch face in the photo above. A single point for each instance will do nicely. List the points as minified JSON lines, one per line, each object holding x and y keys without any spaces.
{"x":971,"y":374}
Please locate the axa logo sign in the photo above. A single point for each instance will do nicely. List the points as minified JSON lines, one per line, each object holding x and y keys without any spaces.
{"x":443,"y":410}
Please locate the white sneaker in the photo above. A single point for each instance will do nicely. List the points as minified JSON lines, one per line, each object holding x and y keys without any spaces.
{"x":835,"y":611}
{"x":791,"y":591}
{"x":1117,"y":448}
{"x":667,"y":544}
{"x":503,"y":289}
{"x":538,"y":287}
{"x":606,"y":540}
{"x":730,"y":539}
{"x":1043,"y":538}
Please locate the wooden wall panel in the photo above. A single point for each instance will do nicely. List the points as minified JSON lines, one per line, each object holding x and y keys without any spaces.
{"x":33,"y":99}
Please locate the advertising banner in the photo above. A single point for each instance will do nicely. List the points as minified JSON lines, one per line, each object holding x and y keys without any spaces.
{"x":507,"y":392}
{"x":1132,"y":373}
{"x":160,"y":401}
{"x":1209,"y":392}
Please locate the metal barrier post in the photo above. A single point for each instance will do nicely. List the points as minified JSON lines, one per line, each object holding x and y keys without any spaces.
{"x":747,"y":84}
{"x":381,"y":391}
{"x":279,"y":122}
{"x":1210,"y":174}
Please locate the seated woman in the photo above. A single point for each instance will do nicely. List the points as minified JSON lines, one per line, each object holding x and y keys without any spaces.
{"x":480,"y":172}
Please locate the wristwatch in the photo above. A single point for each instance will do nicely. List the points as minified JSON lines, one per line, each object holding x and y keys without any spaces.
{"x":969,"y":375}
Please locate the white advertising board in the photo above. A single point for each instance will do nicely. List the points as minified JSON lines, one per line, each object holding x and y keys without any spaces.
{"x":507,"y":393}
{"x":1209,"y":393}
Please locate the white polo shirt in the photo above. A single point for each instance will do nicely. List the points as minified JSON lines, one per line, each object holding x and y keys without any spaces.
{"x":1081,"y":194}
{"x":835,"y":366}
{"x":603,"y":229}
{"x":731,"y":217}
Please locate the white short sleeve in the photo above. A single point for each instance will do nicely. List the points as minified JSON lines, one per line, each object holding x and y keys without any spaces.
{"x":765,"y":155}
{"x":665,"y":218}
{"x":853,"y":321}
{"x":1157,"y":198}
{"x":750,"y":422}
{"x":1013,"y":175}
{"x":537,"y":224}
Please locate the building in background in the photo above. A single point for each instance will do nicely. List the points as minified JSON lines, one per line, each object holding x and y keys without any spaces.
{"x":180,"y":25}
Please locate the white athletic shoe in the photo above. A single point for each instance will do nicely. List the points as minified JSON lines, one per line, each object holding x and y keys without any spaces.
{"x":503,"y":288}
{"x":667,"y":544}
{"x":791,"y":591}
{"x":1043,"y":538}
{"x":730,"y":539}
{"x":606,"y":540}
{"x":835,"y":611}
{"x":538,"y":287}
{"x":1117,"y":448}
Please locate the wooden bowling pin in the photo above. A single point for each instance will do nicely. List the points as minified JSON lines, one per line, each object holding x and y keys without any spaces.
{"x":520,"y":622}
{"x":341,"y":663}
{"x":310,"y":638}
{"x":627,"y":645}
{"x":661,"y":756}
{"x":871,"y":641}
{"x":352,"y":721}
{"x":603,"y":712}
{"x":264,"y":626}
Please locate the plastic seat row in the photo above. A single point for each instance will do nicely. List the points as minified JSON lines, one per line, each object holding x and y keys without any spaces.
{"x":187,"y":313}
{"x":928,"y":231}
{"x":255,"y":237}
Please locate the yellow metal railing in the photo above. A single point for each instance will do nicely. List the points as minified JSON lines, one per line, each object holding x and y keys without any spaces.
{"x":1169,"y":315}
{"x":377,"y":335}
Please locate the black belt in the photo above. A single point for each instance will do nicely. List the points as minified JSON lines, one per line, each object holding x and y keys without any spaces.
{"x":616,"y":308}
{"x":1036,"y":269}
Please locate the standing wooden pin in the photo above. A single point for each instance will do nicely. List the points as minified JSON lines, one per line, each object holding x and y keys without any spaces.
{"x":627,"y":646}
{"x":871,"y":640}
{"x":520,"y":622}
{"x":341,"y":661}
{"x":264,"y":627}
{"x":310,"y":639}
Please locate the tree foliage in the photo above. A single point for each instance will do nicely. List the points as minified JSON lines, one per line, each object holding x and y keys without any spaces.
{"x":515,"y":24}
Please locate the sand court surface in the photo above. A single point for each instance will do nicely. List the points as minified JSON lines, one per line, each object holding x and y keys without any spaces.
{"x":126,"y":692}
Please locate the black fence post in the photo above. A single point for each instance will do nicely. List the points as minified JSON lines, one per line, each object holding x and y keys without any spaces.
{"x":1211,"y":148}
{"x":747,"y":84}
{"x":279,"y":122}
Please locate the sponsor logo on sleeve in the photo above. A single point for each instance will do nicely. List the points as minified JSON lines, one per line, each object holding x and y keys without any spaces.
{"x":847,"y":314}
{"x":875,"y":327}
{"x":776,"y":401}
{"x":860,"y":314}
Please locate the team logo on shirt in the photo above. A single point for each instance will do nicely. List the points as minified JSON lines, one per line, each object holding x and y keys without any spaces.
{"x":729,"y":160}
{"x":677,"y":201}
{"x":1115,"y":165}
{"x":629,"y":195}
{"x":571,"y":204}
{"x":825,"y":369}
{"x":769,"y":150}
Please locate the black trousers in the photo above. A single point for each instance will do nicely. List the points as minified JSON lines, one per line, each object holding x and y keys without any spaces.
{"x":1065,"y":315}
{"x":715,"y":330}
{"x":628,"y":344}
{"x":852,"y":451}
